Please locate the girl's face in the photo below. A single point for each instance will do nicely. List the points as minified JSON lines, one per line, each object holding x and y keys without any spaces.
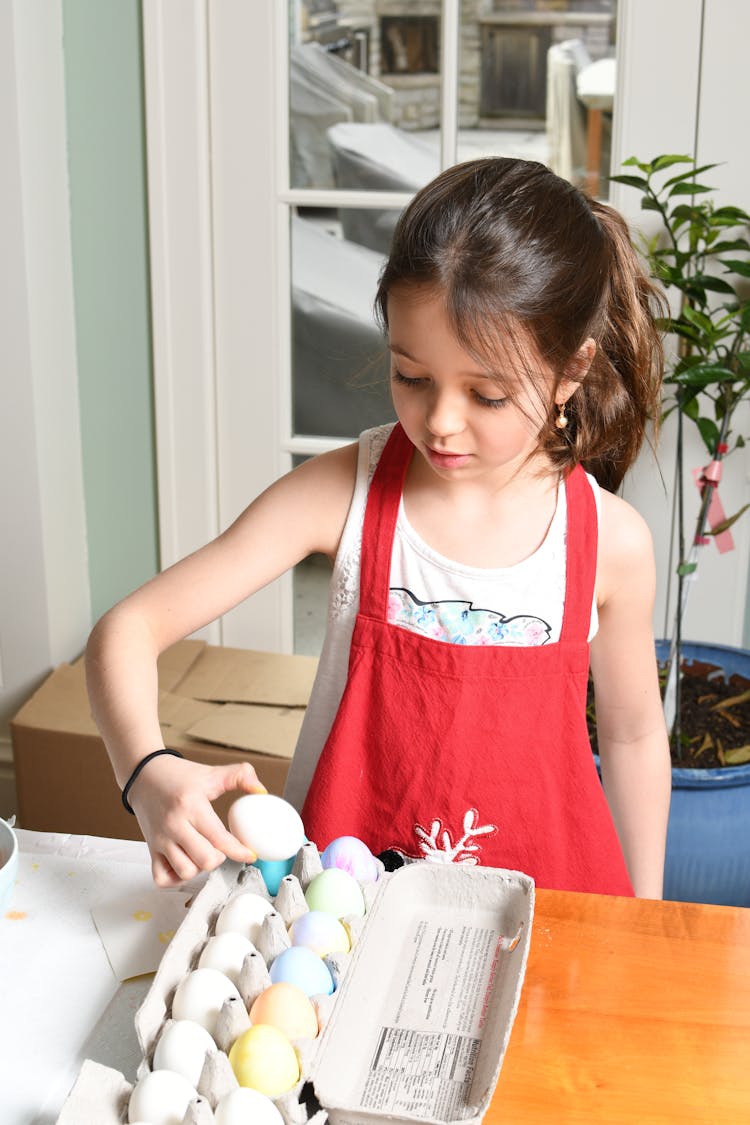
{"x":454,"y":412}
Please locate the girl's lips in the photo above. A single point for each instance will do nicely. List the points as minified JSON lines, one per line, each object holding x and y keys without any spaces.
{"x":446,"y":460}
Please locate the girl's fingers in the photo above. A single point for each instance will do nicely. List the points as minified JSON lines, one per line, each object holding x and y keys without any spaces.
{"x":212,"y":828}
{"x":241,"y":776}
{"x":190,"y":837}
{"x":162,"y":872}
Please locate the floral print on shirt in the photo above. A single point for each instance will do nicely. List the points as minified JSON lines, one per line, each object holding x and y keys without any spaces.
{"x":461,"y":623}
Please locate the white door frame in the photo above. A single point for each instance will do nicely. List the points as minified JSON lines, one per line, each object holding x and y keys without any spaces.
{"x":45,"y":608}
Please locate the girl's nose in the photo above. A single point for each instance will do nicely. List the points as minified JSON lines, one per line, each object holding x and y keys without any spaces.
{"x":444,"y":415}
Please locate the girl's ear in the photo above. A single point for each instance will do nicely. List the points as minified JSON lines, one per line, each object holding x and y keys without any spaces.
{"x":576,"y":371}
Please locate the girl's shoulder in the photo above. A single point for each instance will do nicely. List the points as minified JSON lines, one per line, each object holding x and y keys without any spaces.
{"x":332,"y":485}
{"x":626,"y":551}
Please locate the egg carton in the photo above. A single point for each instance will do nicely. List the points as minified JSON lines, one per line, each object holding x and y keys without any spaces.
{"x":101,"y":1094}
{"x":432,"y":980}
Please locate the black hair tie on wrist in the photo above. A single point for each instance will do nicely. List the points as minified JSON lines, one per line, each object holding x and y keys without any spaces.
{"x":143,"y":762}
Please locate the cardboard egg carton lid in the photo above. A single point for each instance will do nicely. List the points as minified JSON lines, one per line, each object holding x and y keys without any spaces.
{"x":421,"y":1021}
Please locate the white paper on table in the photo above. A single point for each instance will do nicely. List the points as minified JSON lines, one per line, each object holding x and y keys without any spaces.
{"x":55,"y":977}
{"x":136,"y":929}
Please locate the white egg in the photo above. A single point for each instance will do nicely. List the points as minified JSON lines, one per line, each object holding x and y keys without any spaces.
{"x":200,"y":995}
{"x":182,"y":1048}
{"x":161,"y":1098}
{"x":269,"y":825}
{"x":244,"y":915}
{"x":244,"y":1105}
{"x":226,"y":952}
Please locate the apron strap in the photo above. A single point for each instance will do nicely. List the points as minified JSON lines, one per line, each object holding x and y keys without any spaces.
{"x":381,"y":513}
{"x":580,"y":556}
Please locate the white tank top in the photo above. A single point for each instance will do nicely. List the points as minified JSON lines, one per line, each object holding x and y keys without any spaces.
{"x":431,"y":594}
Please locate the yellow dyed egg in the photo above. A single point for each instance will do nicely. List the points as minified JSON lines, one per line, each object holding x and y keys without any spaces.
{"x":286,"y":1007}
{"x":264,"y":1059}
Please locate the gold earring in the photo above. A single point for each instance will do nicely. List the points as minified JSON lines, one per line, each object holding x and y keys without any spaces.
{"x":562,"y":420}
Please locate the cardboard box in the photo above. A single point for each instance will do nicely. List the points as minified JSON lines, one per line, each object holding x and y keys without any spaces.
{"x":215,"y":705}
{"x":418,"y":1028}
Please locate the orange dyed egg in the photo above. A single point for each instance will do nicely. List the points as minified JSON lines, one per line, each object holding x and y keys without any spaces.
{"x":286,"y":1007}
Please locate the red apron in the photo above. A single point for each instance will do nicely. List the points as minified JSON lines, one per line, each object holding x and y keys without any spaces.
{"x":468,"y":753}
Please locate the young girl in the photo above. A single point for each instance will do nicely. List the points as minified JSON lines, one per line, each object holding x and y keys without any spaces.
{"x":476,"y":564}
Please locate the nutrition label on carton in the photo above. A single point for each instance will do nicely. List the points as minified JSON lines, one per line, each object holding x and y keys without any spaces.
{"x":427,"y":1046}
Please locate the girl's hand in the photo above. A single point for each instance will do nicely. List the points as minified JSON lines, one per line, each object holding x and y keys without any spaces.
{"x":172,"y":801}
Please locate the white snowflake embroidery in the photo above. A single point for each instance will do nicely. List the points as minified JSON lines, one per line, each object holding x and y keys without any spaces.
{"x":463,"y":851}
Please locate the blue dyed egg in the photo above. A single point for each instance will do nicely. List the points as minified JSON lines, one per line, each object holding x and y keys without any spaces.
{"x":303,"y":968}
{"x":273,"y":871}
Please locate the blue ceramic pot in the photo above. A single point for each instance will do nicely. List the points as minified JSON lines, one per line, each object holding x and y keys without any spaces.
{"x":708,"y":838}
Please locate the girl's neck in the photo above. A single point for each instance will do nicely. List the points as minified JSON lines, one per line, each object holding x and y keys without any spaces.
{"x":486,"y":522}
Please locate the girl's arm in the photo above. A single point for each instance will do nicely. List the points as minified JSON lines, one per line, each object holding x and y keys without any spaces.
{"x":632,"y":737}
{"x":302,"y":513}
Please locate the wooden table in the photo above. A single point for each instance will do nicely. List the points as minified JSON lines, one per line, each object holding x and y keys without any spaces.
{"x":632,"y":1012}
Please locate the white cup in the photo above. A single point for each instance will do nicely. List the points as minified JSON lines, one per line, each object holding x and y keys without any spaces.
{"x":8,"y":864}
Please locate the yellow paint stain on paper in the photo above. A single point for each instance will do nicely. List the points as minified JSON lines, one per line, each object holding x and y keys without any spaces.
{"x":166,"y":936}
{"x":143,"y":915}
{"x":15,"y":915}
{"x":35,"y":866}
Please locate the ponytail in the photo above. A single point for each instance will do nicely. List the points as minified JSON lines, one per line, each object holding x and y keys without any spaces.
{"x":620,"y":396}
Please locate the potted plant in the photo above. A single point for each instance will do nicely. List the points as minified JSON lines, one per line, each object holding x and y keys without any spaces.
{"x":701,"y":257}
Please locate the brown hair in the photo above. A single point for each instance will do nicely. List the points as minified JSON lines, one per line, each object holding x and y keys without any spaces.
{"x":508,"y":243}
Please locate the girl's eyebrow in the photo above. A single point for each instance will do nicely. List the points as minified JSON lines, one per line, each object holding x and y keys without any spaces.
{"x":403,"y":352}
{"x":474,"y":374}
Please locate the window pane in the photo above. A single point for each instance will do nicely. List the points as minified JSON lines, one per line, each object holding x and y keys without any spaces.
{"x":537,"y":81}
{"x":364,"y":94}
{"x":339,"y":358}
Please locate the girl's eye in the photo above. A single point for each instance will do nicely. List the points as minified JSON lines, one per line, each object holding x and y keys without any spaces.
{"x":493,"y":403}
{"x":405,"y":381}
{"x":417,"y":384}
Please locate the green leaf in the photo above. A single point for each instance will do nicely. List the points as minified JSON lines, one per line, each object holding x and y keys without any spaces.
{"x":661,"y":162}
{"x":649,"y":204}
{"x":688,"y":175}
{"x":736,"y":265}
{"x":686,"y":568}
{"x":729,"y":245}
{"x":690,"y":408}
{"x":704,"y":375}
{"x":699,"y":319}
{"x":690,"y":189}
{"x":728,"y":522}
{"x":734,"y":213}
{"x":715,"y":284}
{"x":686,"y":331}
{"x":631,"y":181}
{"x":709,"y":432}
{"x":634,"y":162}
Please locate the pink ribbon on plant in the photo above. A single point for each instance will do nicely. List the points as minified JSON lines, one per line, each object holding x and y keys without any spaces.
{"x":710,"y":476}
